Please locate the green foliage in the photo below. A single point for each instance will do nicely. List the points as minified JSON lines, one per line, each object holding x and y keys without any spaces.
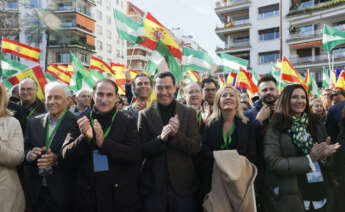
{"x":318,"y":7}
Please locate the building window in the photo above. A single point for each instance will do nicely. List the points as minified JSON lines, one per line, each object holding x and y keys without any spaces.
{"x":305,"y":30}
{"x":108,"y":19}
{"x":83,"y":58}
{"x":63,"y":58}
{"x":108,"y":5}
{"x":117,"y":53}
{"x":99,"y":45}
{"x":99,"y":29}
{"x":109,"y":48}
{"x":269,"y":11}
{"x":241,"y":40}
{"x":12,"y":4}
{"x":108,"y":34}
{"x":268,"y":57}
{"x":99,"y":15}
{"x":269,"y":34}
{"x":35,"y":3}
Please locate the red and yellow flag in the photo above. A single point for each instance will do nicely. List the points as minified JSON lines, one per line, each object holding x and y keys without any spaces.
{"x":333,"y":78}
{"x":279,"y":65}
{"x":232,"y":79}
{"x":119,"y":73}
{"x":34,"y":73}
{"x":100,"y":65}
{"x":244,"y":81}
{"x":155,"y":31}
{"x":192,"y":75}
{"x":70,"y":69}
{"x":59,"y":74}
{"x":341,"y":81}
{"x":221,"y":81}
{"x":289,"y":74}
{"x":21,"y":50}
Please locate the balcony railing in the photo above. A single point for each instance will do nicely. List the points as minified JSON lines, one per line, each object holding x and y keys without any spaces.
{"x":73,"y":8}
{"x":234,"y":46}
{"x":313,"y":5}
{"x":235,"y":23}
{"x":221,"y":4}
{"x":303,"y":35}
{"x":315,"y":59}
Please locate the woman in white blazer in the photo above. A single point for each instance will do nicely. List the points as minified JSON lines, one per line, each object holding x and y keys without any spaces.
{"x":11,"y":155}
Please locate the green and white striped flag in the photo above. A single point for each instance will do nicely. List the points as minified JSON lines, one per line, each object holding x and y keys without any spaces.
{"x":155,"y":60}
{"x":81,"y":77}
{"x":96,"y":75}
{"x":332,"y":38}
{"x":195,"y":60}
{"x":255,"y":77}
{"x":232,"y":63}
{"x":281,"y":84}
{"x":10,"y":67}
{"x":127,"y":28}
{"x":326,"y":80}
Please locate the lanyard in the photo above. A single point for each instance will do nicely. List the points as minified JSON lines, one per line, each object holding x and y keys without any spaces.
{"x":50,"y":137}
{"x":31,"y":112}
{"x":200,"y":120}
{"x":227,"y":140}
{"x":111,"y":124}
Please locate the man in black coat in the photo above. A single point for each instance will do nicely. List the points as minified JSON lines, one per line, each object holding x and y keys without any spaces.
{"x":335,"y":114}
{"x":259,"y":117}
{"x":50,"y":179}
{"x":170,"y":138}
{"x":104,"y":149}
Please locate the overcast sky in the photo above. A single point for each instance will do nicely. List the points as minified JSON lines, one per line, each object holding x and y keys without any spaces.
{"x":193,"y":17}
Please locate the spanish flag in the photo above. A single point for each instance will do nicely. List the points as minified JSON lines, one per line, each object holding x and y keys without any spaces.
{"x":119,"y":73}
{"x":34,"y":73}
{"x":70,"y":69}
{"x":289,"y":74}
{"x":59,"y":74}
{"x":100,"y":65}
{"x":155,"y":31}
{"x":244,"y":81}
{"x":232,"y":79}
{"x":21,"y":50}
{"x":192,"y":75}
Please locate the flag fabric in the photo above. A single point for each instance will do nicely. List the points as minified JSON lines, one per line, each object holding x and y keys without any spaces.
{"x":21,"y":50}
{"x":152,"y":65}
{"x":341,"y":81}
{"x":279,"y":65}
{"x":311,"y":86}
{"x":127,"y":28}
{"x":170,"y":59}
{"x":154,"y":32}
{"x":232,"y":78}
{"x":119,"y":73}
{"x":192,"y":75}
{"x":244,"y":81}
{"x":195,"y":60}
{"x":100,"y":65}
{"x":281,"y":84}
{"x":332,"y":38}
{"x":80,"y":76}
{"x":326,"y":81}
{"x":255,"y":77}
{"x":34,"y":73}
{"x":232,"y":63}
{"x":70,"y":69}
{"x":59,"y":74}
{"x":10,"y":67}
{"x":221,"y":81}
{"x":62,"y":67}
{"x":333,"y":78}
{"x":289,"y":74}
{"x":96,"y":75}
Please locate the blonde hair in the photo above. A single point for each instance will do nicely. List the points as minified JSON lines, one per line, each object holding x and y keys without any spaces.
{"x":4,"y":101}
{"x":217,"y":112}
{"x":315,"y":100}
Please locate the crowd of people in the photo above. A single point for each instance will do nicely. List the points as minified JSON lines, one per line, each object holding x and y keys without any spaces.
{"x":210,"y":149}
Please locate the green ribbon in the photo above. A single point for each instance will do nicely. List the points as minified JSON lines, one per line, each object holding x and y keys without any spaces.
{"x":31,"y":112}
{"x":200,"y":120}
{"x":227,"y":139}
{"x":108,"y":129}
{"x":50,"y":137}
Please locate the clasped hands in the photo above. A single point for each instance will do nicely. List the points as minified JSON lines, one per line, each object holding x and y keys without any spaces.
{"x":171,"y":128}
{"x":46,"y":160}
{"x":323,"y":150}
{"x":86,"y":130}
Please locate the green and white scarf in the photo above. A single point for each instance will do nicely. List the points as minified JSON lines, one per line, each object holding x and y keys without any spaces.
{"x":300,"y":135}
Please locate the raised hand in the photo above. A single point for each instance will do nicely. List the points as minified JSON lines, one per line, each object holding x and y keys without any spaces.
{"x":85,"y":127}
{"x":174,"y":123}
{"x":99,"y":134}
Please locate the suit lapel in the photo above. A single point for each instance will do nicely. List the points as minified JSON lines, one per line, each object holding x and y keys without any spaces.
{"x":156,"y":118}
{"x":59,"y":133}
{"x":43,"y":129}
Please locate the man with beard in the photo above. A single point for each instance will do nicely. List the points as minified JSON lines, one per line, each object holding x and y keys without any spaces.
{"x":259,"y":117}
{"x":209,"y":88}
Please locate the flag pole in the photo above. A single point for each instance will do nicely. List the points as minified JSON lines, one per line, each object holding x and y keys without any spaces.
{"x":329,"y":61}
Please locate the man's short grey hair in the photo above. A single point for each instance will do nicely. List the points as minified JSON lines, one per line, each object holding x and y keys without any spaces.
{"x":80,"y":91}
{"x":52,"y":85}
{"x":14,"y":90}
{"x":28,"y":80}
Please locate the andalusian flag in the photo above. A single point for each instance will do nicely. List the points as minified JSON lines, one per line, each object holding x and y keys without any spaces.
{"x":281,"y":84}
{"x":192,"y":75}
{"x":127,"y":28}
{"x":311,"y":86}
{"x":100,"y":65}
{"x":326,"y":81}
{"x":34,"y":73}
{"x":289,"y":74}
{"x":232,"y":78}
{"x":195,"y":60}
{"x":59,"y":74}
{"x":81,"y":77}
{"x":155,"y":60}
{"x":21,"y":50}
{"x":232,"y":63}
{"x":255,"y":77}
{"x":244,"y":81}
{"x":10,"y":67}
{"x":96,"y":75}
{"x":154,"y":32}
{"x":332,"y":38}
